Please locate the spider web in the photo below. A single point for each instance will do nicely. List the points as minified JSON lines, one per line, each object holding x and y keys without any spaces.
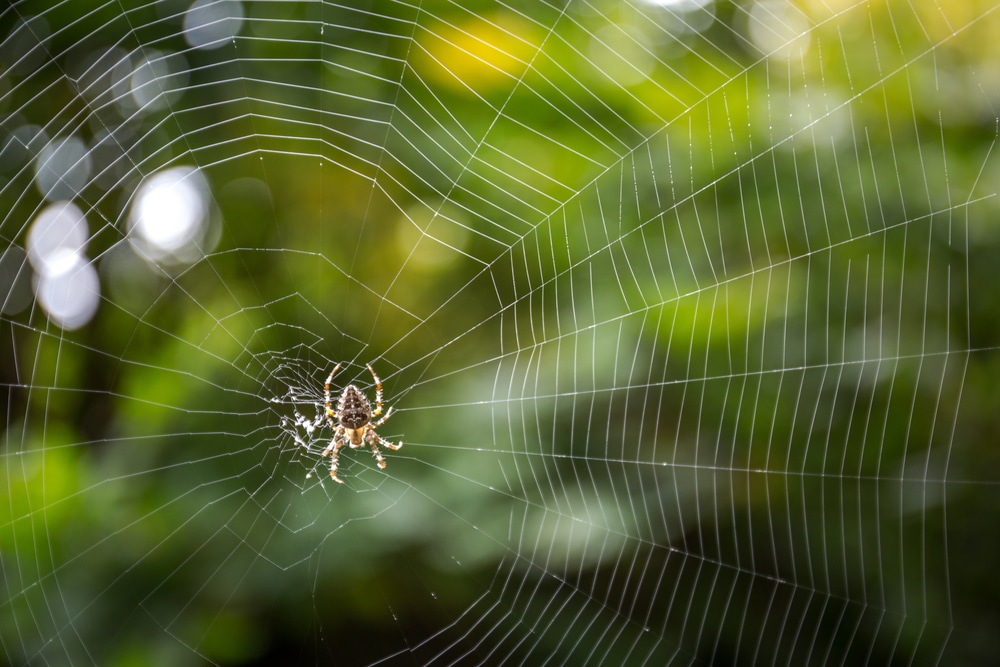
{"x":684,"y":310}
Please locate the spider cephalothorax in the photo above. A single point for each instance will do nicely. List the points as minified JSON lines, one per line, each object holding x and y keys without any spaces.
{"x":354,"y":426}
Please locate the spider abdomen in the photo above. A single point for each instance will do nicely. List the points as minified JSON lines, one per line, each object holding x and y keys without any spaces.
{"x":353,"y":410}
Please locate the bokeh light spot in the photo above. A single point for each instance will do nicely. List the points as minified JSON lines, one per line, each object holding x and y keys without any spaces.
{"x":24,"y":49}
{"x":158,"y":80}
{"x":70,"y":298}
{"x":779,"y":29}
{"x":169,"y":216}
{"x":57,"y":238}
{"x":209,"y":24}
{"x":62,"y":168}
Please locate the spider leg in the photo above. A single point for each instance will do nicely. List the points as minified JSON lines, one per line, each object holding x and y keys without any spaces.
{"x":334,"y":447}
{"x":378,"y":393}
{"x":380,"y":421}
{"x":330,"y":413}
{"x":374,"y":439}
{"x":378,"y":456}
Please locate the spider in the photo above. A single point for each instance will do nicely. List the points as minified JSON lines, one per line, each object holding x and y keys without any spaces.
{"x":355,"y":428}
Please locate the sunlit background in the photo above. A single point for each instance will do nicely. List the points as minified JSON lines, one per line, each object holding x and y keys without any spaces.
{"x":685,"y":310}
